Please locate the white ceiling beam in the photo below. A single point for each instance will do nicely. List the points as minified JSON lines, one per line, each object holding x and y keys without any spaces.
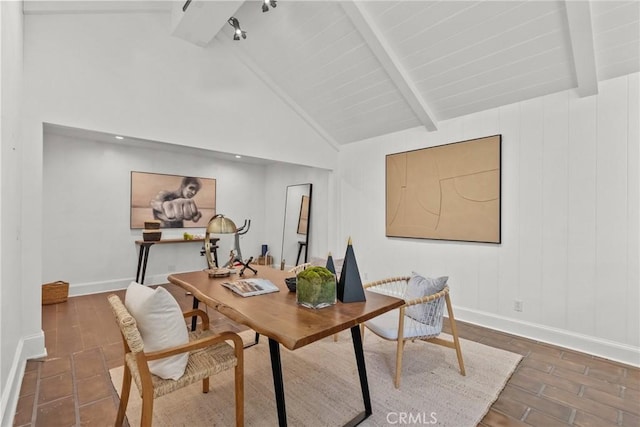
{"x":277,"y":90}
{"x":201,"y":20}
{"x":381,"y":49}
{"x":581,"y":34}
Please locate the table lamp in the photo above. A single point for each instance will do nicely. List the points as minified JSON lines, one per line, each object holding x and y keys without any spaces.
{"x":219,"y":224}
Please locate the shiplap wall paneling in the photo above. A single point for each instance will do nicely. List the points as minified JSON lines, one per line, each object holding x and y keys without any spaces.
{"x":530,"y":202}
{"x":581,"y":261}
{"x":611,"y":214}
{"x":509,"y":253}
{"x":370,"y":198}
{"x":633,"y":252}
{"x":554,"y":208}
{"x":352,"y":198}
{"x":486,"y":286}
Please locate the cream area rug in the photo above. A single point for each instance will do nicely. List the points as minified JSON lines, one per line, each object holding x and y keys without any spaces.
{"x":322,"y":387}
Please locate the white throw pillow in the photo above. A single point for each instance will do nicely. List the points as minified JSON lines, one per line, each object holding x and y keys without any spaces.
{"x":161,"y":325}
{"x":419,"y":287}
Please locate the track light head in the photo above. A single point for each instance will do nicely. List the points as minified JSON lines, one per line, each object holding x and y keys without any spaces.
{"x":238,"y":32}
{"x":267,"y":3}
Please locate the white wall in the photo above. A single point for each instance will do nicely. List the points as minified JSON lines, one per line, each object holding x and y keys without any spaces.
{"x":125,"y":74}
{"x":86,"y":238}
{"x":570,"y":219}
{"x":20,"y":333}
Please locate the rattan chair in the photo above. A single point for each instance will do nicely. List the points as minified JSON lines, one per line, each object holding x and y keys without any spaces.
{"x":209,"y":354}
{"x":397,"y":326}
{"x":300,"y":267}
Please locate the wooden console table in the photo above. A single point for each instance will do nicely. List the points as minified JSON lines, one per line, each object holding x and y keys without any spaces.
{"x":145,"y":246}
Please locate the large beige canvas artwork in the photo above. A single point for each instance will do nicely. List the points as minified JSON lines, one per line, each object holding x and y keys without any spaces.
{"x":448,"y":192}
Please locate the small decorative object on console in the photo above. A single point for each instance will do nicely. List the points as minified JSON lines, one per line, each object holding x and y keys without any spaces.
{"x":316,"y":287}
{"x":350,"y":285}
{"x":151,"y":232}
{"x":291,"y":283}
{"x":151,"y":235}
{"x":152,"y":225}
{"x":219,"y":272}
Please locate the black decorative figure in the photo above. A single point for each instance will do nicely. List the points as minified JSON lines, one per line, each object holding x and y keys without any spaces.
{"x":350,"y":285}
{"x":330,"y":265}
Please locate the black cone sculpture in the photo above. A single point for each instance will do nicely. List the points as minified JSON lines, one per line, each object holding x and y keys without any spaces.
{"x":330,"y":265}
{"x":350,"y":285}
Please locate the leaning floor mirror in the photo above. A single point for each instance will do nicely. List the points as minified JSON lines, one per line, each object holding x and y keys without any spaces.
{"x":297,"y":220}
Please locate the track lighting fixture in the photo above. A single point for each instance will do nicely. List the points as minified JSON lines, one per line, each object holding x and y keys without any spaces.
{"x":236,"y":26}
{"x":267,"y":3}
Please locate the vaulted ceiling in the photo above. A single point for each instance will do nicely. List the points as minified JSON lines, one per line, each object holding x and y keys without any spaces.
{"x":355,"y":70}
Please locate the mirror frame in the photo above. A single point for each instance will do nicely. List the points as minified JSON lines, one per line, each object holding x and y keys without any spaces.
{"x":298,"y":208}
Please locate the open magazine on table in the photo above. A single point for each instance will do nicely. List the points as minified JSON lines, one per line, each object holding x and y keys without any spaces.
{"x":250,"y":287}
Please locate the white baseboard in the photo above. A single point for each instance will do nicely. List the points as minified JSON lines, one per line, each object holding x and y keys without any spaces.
{"x":611,"y":350}
{"x":78,"y":289}
{"x":30,"y":347}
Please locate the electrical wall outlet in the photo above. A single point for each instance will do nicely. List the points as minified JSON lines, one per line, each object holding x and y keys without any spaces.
{"x":517,"y":305}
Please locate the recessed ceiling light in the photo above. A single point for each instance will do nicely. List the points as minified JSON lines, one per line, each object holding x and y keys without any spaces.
{"x":119,"y":137}
{"x":238,"y":156}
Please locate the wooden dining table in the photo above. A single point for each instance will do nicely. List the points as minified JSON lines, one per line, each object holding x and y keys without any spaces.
{"x":278,"y":317}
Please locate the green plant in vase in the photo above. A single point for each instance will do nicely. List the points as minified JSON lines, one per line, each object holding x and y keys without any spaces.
{"x":316,"y":287}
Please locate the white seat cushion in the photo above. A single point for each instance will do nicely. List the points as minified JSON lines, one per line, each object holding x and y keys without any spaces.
{"x":386,"y":326}
{"x":161,"y":325}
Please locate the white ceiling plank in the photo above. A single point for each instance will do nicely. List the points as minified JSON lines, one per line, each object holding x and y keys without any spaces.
{"x":277,"y":90}
{"x":390,"y":63}
{"x":506,"y":98}
{"x":202,"y":20}
{"x":364,"y":68}
{"x":536,"y":77}
{"x":491,"y":74}
{"x":618,"y":69}
{"x":581,"y":34}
